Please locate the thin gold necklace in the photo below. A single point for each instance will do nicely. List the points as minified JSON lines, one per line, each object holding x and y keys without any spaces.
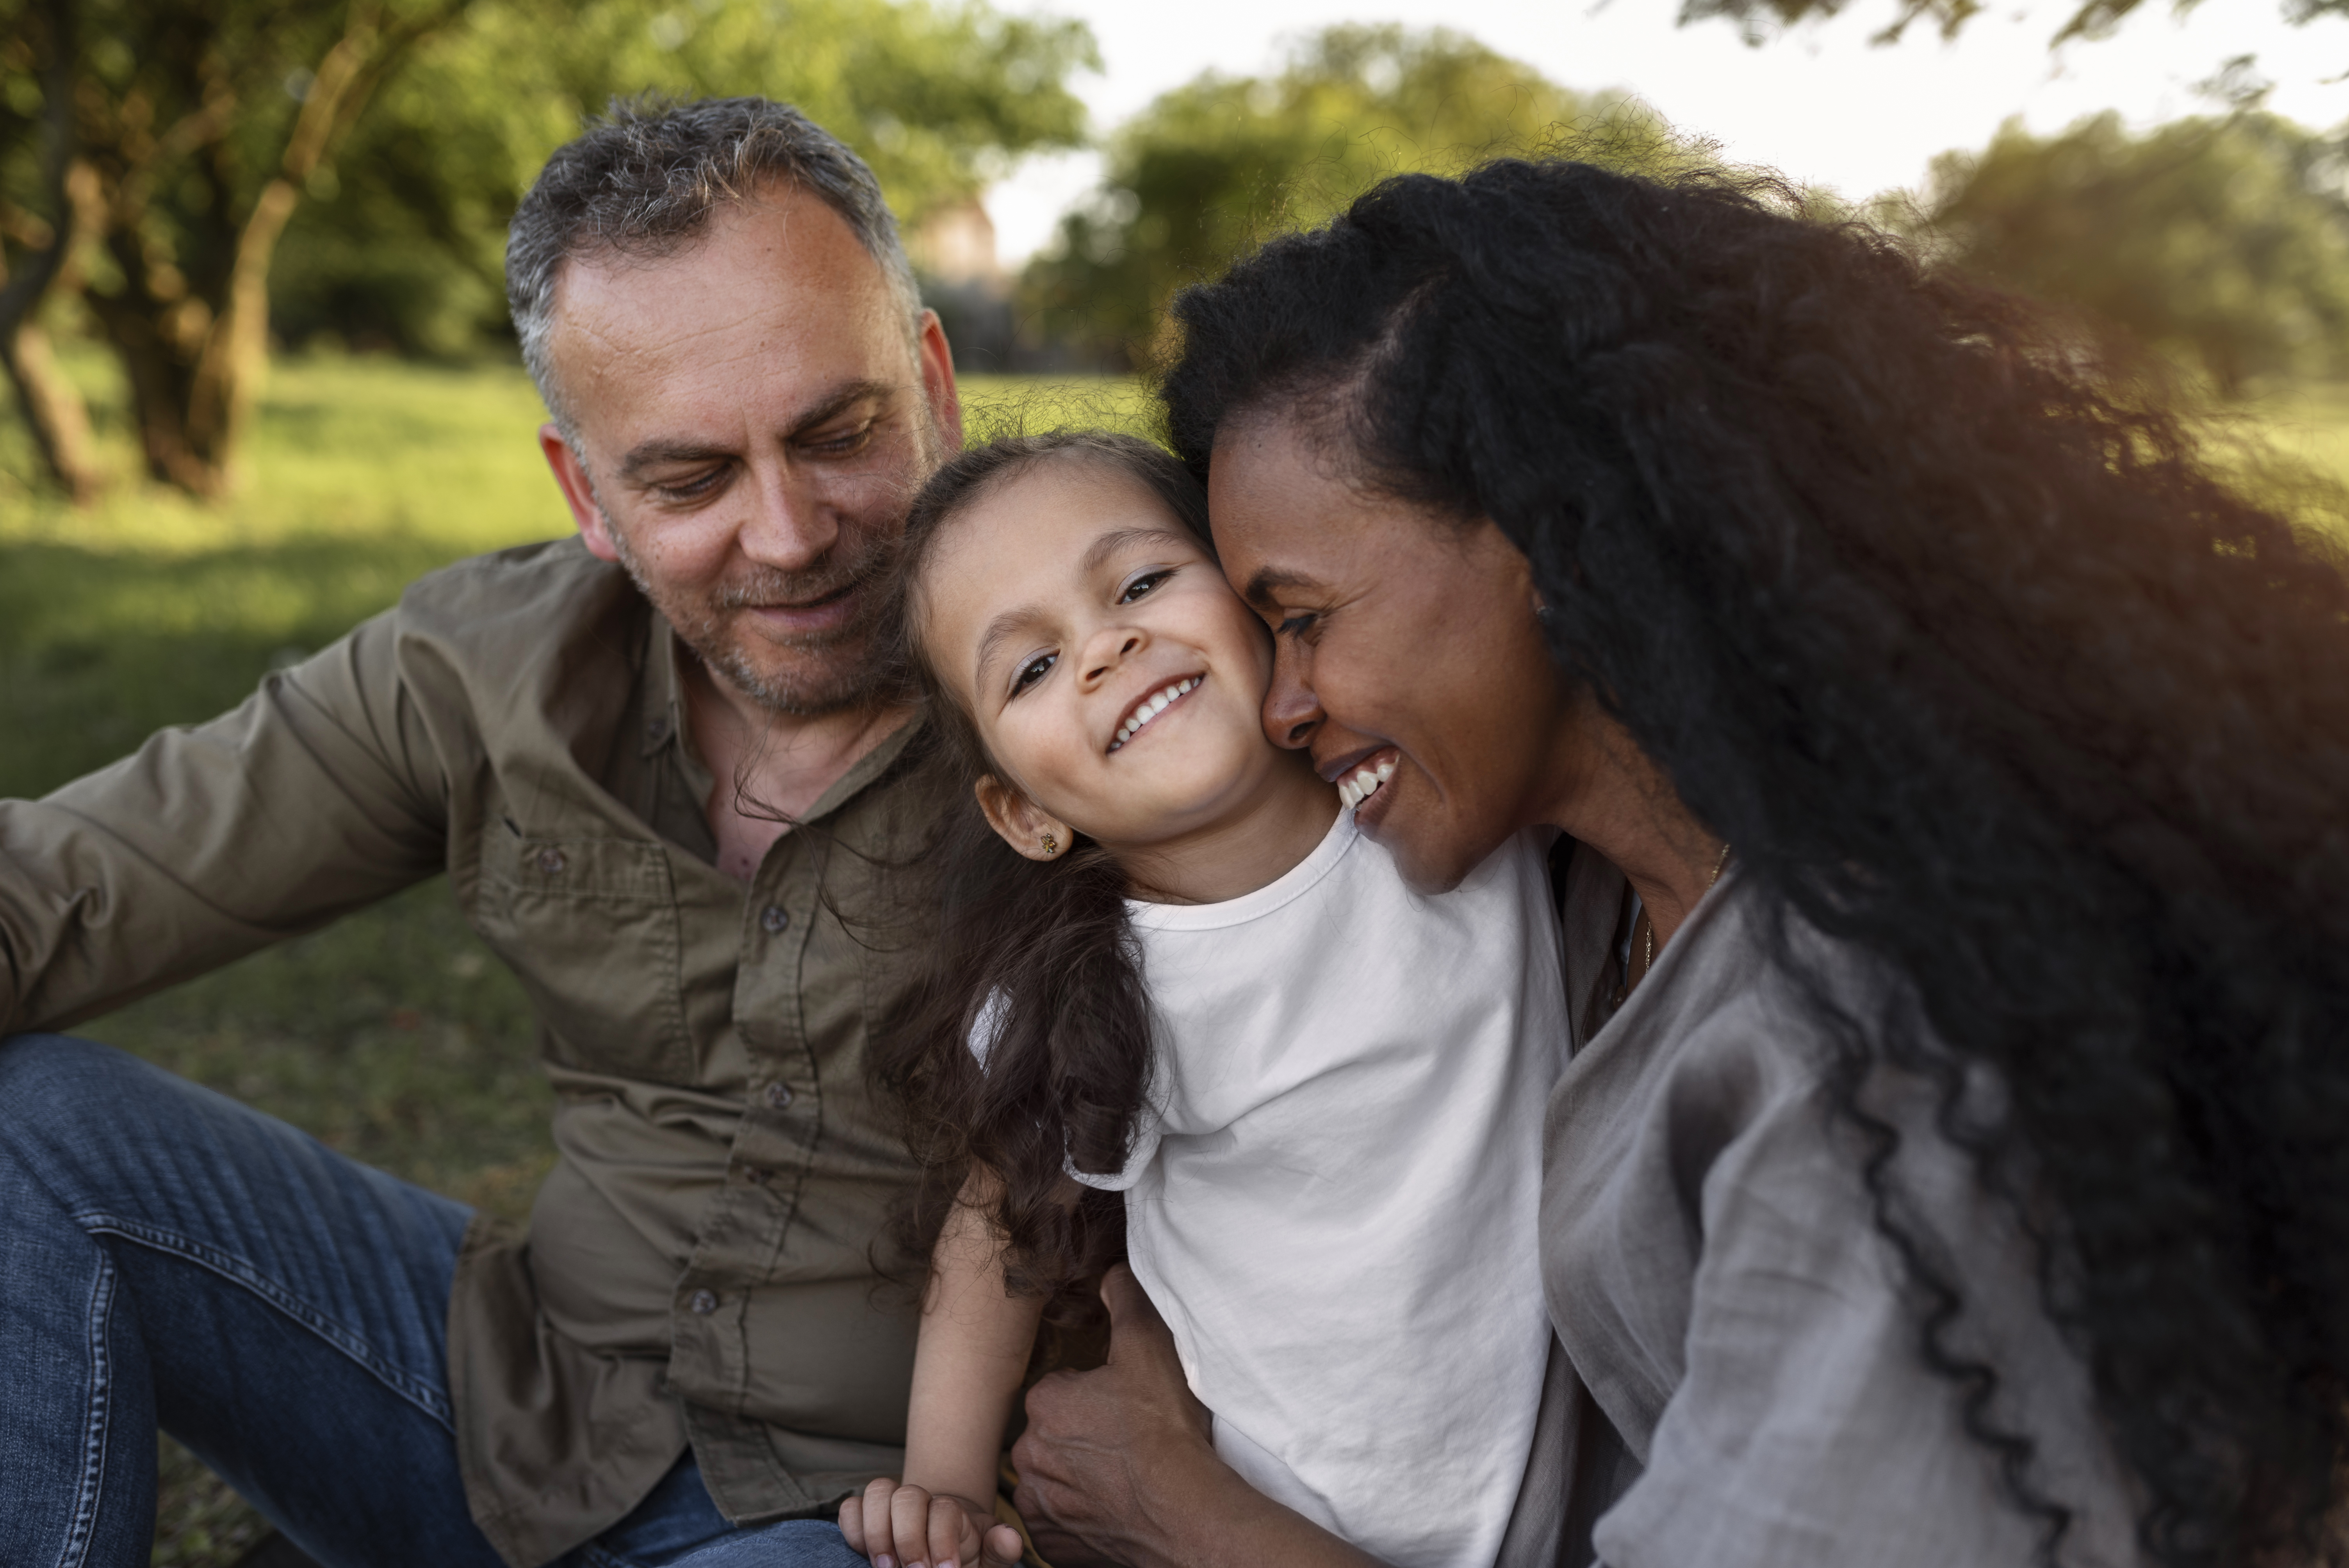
{"x":1648,"y":957}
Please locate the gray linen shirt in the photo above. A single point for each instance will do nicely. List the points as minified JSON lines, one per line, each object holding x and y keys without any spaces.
{"x":1738,"y":1382}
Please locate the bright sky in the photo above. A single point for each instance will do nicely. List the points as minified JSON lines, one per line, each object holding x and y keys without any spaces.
{"x":1821,"y":104}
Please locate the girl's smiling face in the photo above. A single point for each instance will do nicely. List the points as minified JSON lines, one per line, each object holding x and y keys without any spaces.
{"x":1109,"y":668}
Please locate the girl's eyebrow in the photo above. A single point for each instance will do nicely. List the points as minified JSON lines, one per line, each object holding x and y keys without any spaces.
{"x":1118,"y":539}
{"x":1000,"y":631}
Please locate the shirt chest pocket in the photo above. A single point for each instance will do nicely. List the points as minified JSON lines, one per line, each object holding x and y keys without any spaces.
{"x":592,"y":928}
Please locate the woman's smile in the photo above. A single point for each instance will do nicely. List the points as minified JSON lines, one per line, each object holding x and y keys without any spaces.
{"x":1361,"y":777}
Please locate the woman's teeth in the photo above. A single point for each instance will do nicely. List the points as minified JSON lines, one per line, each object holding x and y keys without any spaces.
{"x":1151,"y":709}
{"x":1363,"y":785}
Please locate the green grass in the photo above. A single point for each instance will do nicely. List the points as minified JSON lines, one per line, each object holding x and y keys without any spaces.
{"x":393,"y":1036}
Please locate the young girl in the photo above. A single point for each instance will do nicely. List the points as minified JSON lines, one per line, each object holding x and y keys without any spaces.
{"x":1172,"y":968}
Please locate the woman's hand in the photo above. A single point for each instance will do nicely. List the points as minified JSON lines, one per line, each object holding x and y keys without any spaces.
{"x":901,"y":1526}
{"x":1118,"y":1465}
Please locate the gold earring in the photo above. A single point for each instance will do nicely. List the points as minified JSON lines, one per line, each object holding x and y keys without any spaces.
{"x":1052,"y":845}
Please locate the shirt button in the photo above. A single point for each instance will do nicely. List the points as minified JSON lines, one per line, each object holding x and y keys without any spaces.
{"x":551,"y":862}
{"x":703,"y":1302}
{"x":775,"y":917}
{"x":778,"y":1095}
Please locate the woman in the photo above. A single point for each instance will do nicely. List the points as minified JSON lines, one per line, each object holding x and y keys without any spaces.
{"x":1952,"y":1168}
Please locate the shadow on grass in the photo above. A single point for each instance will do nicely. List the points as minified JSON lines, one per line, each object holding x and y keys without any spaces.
{"x":99,"y":648}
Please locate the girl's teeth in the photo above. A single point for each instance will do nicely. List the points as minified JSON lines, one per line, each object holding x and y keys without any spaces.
{"x":1156,"y":705}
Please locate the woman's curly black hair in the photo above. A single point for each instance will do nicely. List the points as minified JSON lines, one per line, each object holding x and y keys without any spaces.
{"x":1982,"y":669}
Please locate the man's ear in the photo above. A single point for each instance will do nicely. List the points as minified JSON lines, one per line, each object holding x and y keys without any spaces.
{"x":1020,"y":822}
{"x":570,"y":478}
{"x":938,"y":380}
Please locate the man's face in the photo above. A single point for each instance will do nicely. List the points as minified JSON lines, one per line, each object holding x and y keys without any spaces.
{"x":753,"y":415}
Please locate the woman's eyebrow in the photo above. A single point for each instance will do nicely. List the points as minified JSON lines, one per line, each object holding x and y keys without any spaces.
{"x":1118,"y":539}
{"x":1264,"y":589}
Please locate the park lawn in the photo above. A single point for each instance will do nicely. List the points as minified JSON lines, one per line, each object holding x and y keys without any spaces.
{"x":392,"y":1035}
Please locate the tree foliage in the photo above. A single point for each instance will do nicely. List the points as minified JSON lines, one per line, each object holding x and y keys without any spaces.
{"x":1212,"y":168}
{"x":1760,"y":20}
{"x":385,"y":142}
{"x":406,"y":250}
{"x":2223,"y":242}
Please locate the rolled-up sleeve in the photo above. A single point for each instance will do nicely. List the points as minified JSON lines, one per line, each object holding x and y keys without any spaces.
{"x":322,"y":792}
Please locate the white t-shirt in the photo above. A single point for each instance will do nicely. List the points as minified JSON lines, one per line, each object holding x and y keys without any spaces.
{"x":1335,"y":1202}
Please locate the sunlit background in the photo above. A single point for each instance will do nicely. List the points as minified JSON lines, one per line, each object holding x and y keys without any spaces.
{"x":261,"y":377}
{"x":1823,"y":101}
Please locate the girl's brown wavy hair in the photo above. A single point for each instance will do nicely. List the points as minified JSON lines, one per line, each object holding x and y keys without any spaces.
{"x":1042,"y":948}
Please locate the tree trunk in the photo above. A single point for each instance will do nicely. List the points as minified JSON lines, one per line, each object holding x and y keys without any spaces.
{"x":53,"y":411}
{"x":236,"y":351}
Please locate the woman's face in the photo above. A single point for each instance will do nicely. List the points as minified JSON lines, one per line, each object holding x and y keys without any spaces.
{"x":1403,"y":639}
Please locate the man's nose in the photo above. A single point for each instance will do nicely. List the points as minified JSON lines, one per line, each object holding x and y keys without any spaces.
{"x":1292,"y":710}
{"x":788,"y":526}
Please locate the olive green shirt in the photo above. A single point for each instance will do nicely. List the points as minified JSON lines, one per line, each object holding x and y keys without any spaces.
{"x":698,"y":1268}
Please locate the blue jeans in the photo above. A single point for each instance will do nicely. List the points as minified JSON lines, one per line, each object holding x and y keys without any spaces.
{"x":169,"y":1257}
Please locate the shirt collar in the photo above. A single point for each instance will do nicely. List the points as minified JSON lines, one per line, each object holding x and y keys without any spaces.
{"x":664,"y":682}
{"x":665,"y":729}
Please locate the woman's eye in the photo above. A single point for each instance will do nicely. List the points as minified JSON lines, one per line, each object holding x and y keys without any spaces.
{"x":1295,"y":626}
{"x":1143,"y":585}
{"x":1031,"y":671}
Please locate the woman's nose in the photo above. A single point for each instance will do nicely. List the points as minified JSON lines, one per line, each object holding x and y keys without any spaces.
{"x":1292,"y":710}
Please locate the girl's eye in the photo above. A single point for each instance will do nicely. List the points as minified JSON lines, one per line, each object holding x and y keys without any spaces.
{"x":1031,"y":671}
{"x":1143,"y":585}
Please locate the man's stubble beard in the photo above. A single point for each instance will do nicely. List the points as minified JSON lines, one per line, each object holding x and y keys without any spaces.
{"x":852,"y":677}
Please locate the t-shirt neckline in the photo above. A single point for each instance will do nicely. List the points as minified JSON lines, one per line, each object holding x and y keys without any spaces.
{"x":1290,"y":885}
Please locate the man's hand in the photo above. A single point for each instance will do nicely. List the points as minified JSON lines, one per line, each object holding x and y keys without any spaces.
{"x":901,"y":1526}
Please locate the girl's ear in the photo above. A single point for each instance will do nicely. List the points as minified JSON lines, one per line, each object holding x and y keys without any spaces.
{"x":1020,"y":822}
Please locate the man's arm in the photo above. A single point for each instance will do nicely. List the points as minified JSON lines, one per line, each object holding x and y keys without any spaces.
{"x":320,"y":793}
{"x":1118,"y":1466}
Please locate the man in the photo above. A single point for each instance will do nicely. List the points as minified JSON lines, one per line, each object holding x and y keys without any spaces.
{"x":602,"y":742}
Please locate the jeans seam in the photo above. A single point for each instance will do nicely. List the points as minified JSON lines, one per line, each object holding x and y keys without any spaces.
{"x":96,"y":1422}
{"x":237,"y":1271}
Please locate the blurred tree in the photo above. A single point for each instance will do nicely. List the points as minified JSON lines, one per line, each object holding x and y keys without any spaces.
{"x":193,"y":128}
{"x":36,"y":229}
{"x":2224,"y":242}
{"x":1760,"y":20}
{"x":1211,"y":169}
{"x":370,"y":151}
{"x":407,"y":249}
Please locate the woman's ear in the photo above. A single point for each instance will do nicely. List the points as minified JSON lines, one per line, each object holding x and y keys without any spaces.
{"x":1019,"y":822}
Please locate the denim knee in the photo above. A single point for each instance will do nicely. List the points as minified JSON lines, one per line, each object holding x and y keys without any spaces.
{"x":67,"y":1072}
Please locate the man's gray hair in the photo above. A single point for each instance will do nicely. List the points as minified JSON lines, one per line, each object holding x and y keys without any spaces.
{"x":644,"y":181}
